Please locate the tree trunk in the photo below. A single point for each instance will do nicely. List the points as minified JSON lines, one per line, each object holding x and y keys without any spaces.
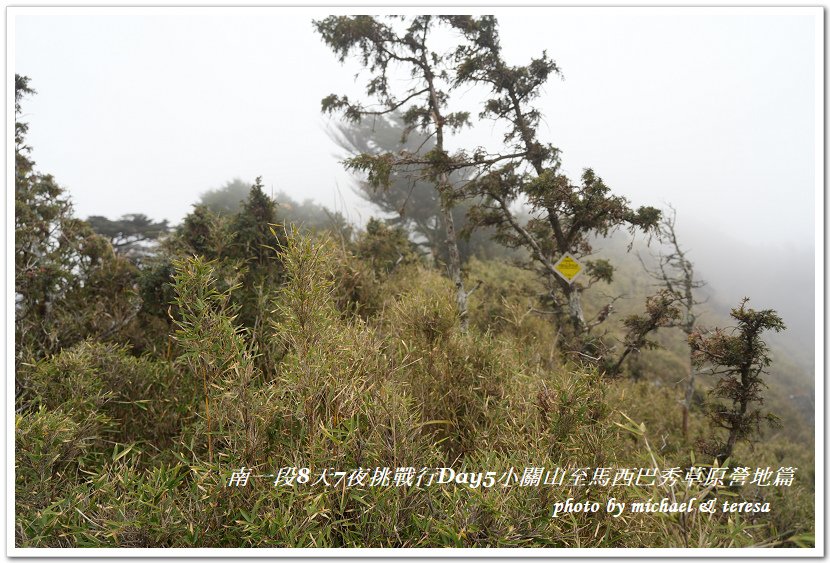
{"x":575,"y":309}
{"x":687,"y":401}
{"x":444,"y":193}
{"x":454,"y":260}
{"x":532,"y":147}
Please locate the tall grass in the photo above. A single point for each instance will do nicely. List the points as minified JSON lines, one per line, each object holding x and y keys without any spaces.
{"x":114,"y":450}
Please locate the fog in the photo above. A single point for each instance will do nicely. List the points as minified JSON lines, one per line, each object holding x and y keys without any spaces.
{"x":713,"y":111}
{"x":780,"y":277}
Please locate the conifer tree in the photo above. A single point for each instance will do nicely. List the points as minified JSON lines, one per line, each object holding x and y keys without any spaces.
{"x":566,"y":215}
{"x":381,"y":46}
{"x":411,"y":201}
{"x":252,"y":244}
{"x":68,"y":282}
{"x":739,"y":358}
{"x":250,"y":229}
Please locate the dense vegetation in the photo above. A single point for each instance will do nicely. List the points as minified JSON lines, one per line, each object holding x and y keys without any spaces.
{"x":263,"y":334}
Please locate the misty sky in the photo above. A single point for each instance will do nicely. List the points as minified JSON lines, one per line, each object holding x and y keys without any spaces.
{"x":710,"y":111}
{"x":713,"y":111}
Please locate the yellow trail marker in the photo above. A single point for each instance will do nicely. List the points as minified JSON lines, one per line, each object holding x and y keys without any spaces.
{"x":568,"y":267}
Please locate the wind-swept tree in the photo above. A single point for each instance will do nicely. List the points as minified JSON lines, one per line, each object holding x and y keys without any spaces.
{"x":675,"y":273}
{"x":383,"y":46}
{"x":411,"y":201}
{"x":739,"y":358}
{"x":565,"y":215}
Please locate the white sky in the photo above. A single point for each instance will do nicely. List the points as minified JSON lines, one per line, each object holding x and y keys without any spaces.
{"x":712,"y":112}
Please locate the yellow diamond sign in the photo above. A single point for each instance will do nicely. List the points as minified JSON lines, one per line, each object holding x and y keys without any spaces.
{"x":568,"y":267}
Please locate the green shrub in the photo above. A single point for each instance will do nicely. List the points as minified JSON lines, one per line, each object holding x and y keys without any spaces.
{"x":143,"y":400}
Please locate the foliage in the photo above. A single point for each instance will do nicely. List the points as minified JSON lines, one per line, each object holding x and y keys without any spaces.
{"x":384,"y":247}
{"x":69,"y":284}
{"x":661,"y":311}
{"x":380,"y":46}
{"x":51,"y":446}
{"x":242,"y":250}
{"x":397,"y":386}
{"x":214,"y":349}
{"x":739,"y":359}
{"x":409,"y":200}
{"x":564,"y":216}
{"x":201,"y":233}
{"x":142,"y":400}
{"x":250,"y":229}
